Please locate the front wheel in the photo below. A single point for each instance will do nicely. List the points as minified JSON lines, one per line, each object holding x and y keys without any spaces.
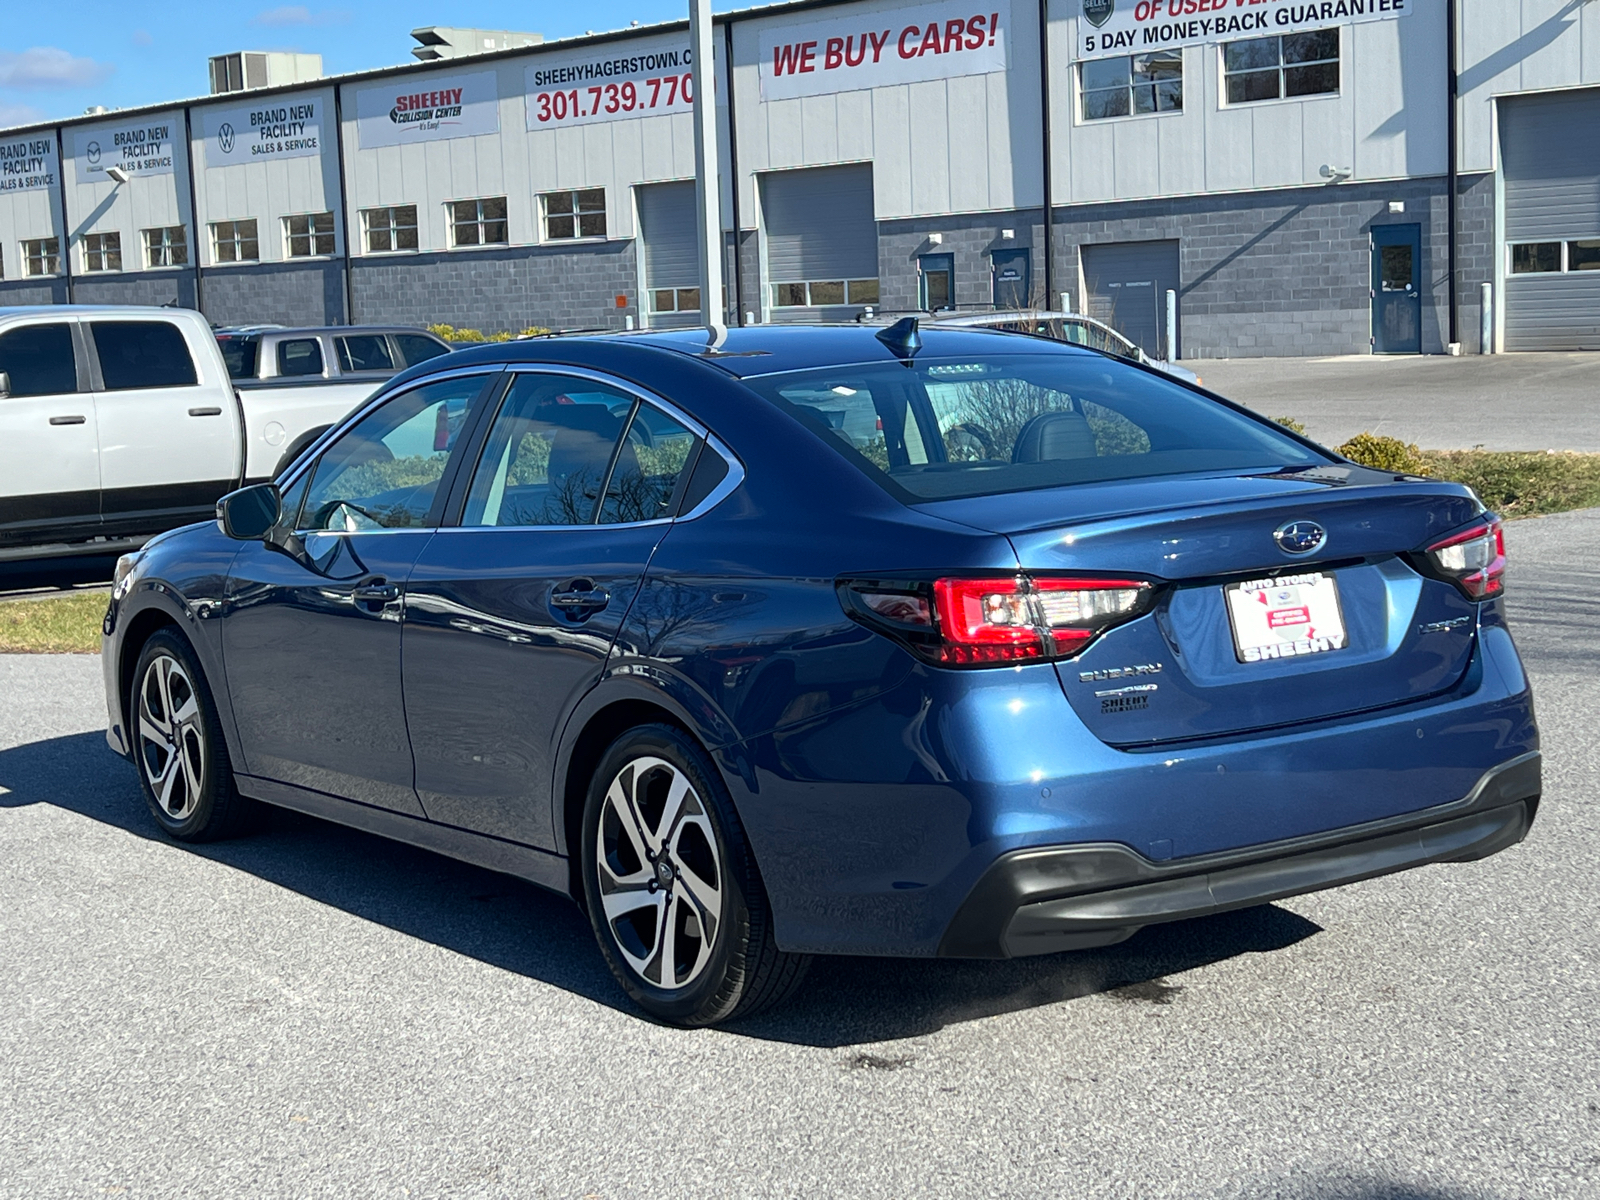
{"x":673,"y":892}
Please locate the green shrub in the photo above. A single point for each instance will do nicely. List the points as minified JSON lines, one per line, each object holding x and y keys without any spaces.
{"x":1522,"y":483}
{"x":451,"y":334}
{"x":1290,"y":423}
{"x":1385,"y":454}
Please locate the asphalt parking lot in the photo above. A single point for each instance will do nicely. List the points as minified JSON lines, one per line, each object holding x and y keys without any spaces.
{"x":1497,"y":401}
{"x":314,"y":1012}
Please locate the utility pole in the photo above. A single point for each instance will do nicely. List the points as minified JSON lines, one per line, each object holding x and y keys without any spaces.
{"x":707,"y":192}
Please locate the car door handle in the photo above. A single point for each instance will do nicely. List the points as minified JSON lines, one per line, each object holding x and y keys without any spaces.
{"x":211,"y":411}
{"x":74,"y":420}
{"x":595,"y":599}
{"x":375,"y":591}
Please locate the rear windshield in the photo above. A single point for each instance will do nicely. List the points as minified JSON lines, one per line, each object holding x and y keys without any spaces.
{"x":937,"y":429}
{"x":239,"y":353}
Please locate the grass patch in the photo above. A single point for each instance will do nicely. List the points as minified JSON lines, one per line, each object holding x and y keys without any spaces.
{"x":68,"y":624}
{"x":1513,"y":483}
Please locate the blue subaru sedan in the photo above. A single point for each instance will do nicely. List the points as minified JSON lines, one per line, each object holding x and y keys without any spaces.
{"x":799,"y":641}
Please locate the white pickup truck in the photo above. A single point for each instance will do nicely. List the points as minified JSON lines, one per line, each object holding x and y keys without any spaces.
{"x":119,"y":422}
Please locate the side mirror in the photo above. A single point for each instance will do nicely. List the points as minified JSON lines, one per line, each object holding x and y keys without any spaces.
{"x":5,"y":384}
{"x":249,"y":513}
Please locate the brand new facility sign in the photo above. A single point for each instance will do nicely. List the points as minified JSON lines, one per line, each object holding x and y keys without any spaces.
{"x":142,"y":148}
{"x":28,"y":164}
{"x":639,"y":81}
{"x":282,"y":127}
{"x":1115,"y":27}
{"x":866,"y":50}
{"x":427,"y":108}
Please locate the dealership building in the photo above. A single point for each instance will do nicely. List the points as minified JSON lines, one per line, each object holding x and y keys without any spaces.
{"x":1328,"y":177}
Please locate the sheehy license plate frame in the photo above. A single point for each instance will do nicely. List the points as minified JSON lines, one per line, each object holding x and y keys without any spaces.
{"x":1285,"y":616}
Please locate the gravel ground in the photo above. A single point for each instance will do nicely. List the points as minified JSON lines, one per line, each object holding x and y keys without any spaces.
{"x":313,"y":1012}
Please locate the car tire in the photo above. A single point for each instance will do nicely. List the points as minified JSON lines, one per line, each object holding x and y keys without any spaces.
{"x":179,"y":751}
{"x":665,"y":864}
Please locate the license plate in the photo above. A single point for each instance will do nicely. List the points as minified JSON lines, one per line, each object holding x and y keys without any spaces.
{"x":1286,"y":616}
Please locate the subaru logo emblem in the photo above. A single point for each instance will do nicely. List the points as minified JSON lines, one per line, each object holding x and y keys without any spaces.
{"x":1300,"y":537}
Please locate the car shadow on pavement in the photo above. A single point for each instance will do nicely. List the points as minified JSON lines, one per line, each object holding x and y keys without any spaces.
{"x":518,"y":927}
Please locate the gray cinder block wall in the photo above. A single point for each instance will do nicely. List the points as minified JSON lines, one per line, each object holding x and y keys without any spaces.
{"x":136,"y":287}
{"x":292,"y":293}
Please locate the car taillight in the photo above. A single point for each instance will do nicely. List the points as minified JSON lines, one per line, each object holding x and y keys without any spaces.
{"x":964,"y":621}
{"x":1473,"y":559}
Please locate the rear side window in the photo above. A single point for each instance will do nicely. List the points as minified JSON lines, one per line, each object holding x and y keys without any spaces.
{"x":142,"y":354}
{"x":369,"y":352}
{"x":239,"y":355}
{"x":415,"y":348}
{"x":651,"y":461}
{"x":300,"y":356}
{"x":39,"y":360}
{"x":942,"y":429}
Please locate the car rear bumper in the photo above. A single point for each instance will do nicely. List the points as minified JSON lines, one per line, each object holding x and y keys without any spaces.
{"x":1050,"y":898}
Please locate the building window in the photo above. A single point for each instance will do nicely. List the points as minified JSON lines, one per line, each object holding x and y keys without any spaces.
{"x":234,"y":241}
{"x":102,"y":252}
{"x":667,"y":300}
{"x":814,"y":294}
{"x":1555,"y":258}
{"x":309,"y":235}
{"x":478,"y":222}
{"x":580,"y":214}
{"x":1271,"y":68}
{"x":41,"y":256}
{"x":390,"y":229}
{"x":168,"y":247}
{"x":1140,"y":83}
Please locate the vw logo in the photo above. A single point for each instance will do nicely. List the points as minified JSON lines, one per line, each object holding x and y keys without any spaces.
{"x":225,"y":137}
{"x":92,"y":151}
{"x":1300,"y":537}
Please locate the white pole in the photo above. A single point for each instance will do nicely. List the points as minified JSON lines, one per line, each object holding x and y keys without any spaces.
{"x":1172,"y":325}
{"x":706,"y":190}
{"x":1066,"y":302}
{"x":1486,"y":319}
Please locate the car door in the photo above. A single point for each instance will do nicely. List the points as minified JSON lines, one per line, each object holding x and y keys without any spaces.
{"x":49,"y":448}
{"x":311,"y":629}
{"x":510,"y":613}
{"x":169,"y":439}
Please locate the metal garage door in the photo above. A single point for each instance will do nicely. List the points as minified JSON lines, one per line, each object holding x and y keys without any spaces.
{"x":822,"y":242}
{"x":1125,"y":285}
{"x":670,"y":241}
{"x":1552,"y":220}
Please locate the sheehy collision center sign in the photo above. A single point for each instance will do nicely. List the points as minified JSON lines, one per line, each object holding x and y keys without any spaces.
{"x":139,"y":149}
{"x":577,"y":89}
{"x":28,"y":164}
{"x":427,"y":108}
{"x":282,"y":127}
{"x":1114,"y":27}
{"x":866,"y":50}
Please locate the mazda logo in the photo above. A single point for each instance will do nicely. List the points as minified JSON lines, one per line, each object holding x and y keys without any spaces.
{"x":225,"y":138}
{"x":1300,"y":537}
{"x":93,"y":153}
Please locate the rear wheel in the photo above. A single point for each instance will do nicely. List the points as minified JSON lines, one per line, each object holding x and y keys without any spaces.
{"x":183,"y":762}
{"x":673,"y":892}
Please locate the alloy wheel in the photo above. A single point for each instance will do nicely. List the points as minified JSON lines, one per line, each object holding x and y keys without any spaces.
{"x":660,"y":874}
{"x":172,"y":737}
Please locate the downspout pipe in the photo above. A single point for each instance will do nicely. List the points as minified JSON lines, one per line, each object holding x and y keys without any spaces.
{"x":66,"y":217}
{"x":194,"y":209}
{"x":1450,"y":168}
{"x":1044,"y":125}
{"x":344,"y":207}
{"x":733,"y":170}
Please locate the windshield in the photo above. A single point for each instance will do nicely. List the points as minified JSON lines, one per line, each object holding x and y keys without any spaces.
{"x":239,"y":353}
{"x":940,"y":429}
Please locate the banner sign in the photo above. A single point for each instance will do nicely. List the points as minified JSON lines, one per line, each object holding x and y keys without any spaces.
{"x":282,"y":127}
{"x":28,"y":164}
{"x":427,"y":109}
{"x":1115,"y":27}
{"x":866,"y":50}
{"x":145,"y":149}
{"x":581,"y":89}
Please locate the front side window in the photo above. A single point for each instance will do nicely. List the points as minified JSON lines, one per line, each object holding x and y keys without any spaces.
{"x":384,"y":471}
{"x":166,"y":247}
{"x":416,"y":348}
{"x":478,"y":222}
{"x":239,"y":354}
{"x":142,"y":354}
{"x":941,"y":428}
{"x":578,"y":214}
{"x":102,"y":252}
{"x":1272,"y":68}
{"x":41,"y":256}
{"x":816,"y":293}
{"x":309,"y":235}
{"x":235,"y":241}
{"x":1139,"y":83}
{"x":300,"y":356}
{"x":390,"y":229}
{"x":364,"y":352}
{"x":39,"y":360}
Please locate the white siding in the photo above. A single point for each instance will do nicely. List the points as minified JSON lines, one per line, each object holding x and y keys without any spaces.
{"x":25,"y":215}
{"x":99,"y":205}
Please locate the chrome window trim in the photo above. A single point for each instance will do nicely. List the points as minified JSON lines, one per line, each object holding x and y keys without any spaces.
{"x":723,"y":490}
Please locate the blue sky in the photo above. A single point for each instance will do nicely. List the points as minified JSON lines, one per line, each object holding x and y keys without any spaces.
{"x":56,"y":62}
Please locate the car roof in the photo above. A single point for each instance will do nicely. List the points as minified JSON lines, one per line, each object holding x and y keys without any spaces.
{"x":94,"y":310}
{"x":765,"y":349}
{"x":302,"y":330}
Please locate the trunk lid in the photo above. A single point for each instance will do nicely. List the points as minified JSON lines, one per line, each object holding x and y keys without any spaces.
{"x":1176,"y":673}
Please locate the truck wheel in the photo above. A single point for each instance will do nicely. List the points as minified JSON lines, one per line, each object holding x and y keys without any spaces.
{"x":184,"y":769}
{"x":673,"y":892}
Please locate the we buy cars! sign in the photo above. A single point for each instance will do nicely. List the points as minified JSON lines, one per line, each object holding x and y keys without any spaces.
{"x":1107,"y":28}
{"x":867,"y":50}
